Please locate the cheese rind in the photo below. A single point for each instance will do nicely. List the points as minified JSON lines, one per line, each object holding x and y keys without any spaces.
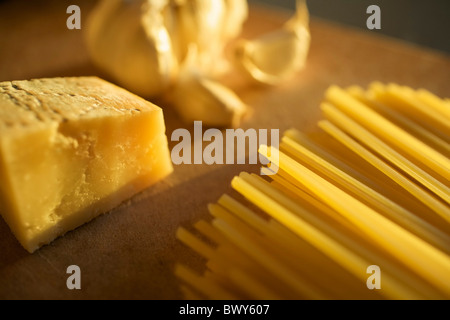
{"x":72,"y":149}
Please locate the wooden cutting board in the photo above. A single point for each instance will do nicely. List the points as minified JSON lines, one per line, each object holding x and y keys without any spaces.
{"x":130,"y":252}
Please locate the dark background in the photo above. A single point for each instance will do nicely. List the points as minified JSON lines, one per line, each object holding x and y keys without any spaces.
{"x":425,"y":23}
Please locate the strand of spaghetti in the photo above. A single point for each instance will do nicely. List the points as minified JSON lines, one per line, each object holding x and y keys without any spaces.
{"x":434,"y":102}
{"x":377,"y":92}
{"x":287,"y":242}
{"x":206,"y":229}
{"x":217,"y":262}
{"x":301,"y":138}
{"x":359,"y":172}
{"x":246,"y":214}
{"x":334,"y":277}
{"x":330,"y":274}
{"x":209,"y":253}
{"x":345,"y":257}
{"x":429,"y":137}
{"x":195,"y":243}
{"x":376,"y":181}
{"x":371,"y":141}
{"x":408,"y":96}
{"x":417,"y":254}
{"x":282,"y":257}
{"x":244,"y":290}
{"x":287,"y":187}
{"x":359,"y":244}
{"x":243,"y":262}
{"x":223,"y":281}
{"x":404,"y":99}
{"x":220,"y":268}
{"x":204,"y":286}
{"x":437,"y":206}
{"x":297,"y":191}
{"x":389,"y":131}
{"x":265,"y":259}
{"x":254,"y":288}
{"x":287,"y":177}
{"x":204,"y":250}
{"x":226,"y":263}
{"x":252,"y":230}
{"x":227,"y":256}
{"x":281,"y":238}
{"x":190,"y":294}
{"x":330,"y":222}
{"x":345,"y":233}
{"x":389,"y":208}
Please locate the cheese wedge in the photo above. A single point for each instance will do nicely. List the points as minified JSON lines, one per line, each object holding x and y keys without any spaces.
{"x":72,"y":149}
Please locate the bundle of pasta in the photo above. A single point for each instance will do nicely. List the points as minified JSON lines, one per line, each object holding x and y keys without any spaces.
{"x":175,"y":50}
{"x":368,"y":193}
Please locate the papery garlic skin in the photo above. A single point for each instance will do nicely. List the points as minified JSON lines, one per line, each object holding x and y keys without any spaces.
{"x":129,"y":41}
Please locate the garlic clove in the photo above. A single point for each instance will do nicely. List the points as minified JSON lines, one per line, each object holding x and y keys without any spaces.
{"x":277,"y":56}
{"x":198,"y":98}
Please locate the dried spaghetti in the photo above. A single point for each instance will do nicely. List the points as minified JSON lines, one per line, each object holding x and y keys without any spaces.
{"x":372,"y":188}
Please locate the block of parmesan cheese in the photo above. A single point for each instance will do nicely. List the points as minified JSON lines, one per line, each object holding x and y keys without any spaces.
{"x":72,"y":149}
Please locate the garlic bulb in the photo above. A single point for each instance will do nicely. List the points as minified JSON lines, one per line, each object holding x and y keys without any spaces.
{"x":142,"y":43}
{"x":176,"y":49}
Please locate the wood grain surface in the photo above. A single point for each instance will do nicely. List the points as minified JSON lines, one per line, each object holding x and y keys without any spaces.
{"x":130,"y":252}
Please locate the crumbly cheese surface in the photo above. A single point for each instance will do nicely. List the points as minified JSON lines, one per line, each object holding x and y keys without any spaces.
{"x":72,"y":149}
